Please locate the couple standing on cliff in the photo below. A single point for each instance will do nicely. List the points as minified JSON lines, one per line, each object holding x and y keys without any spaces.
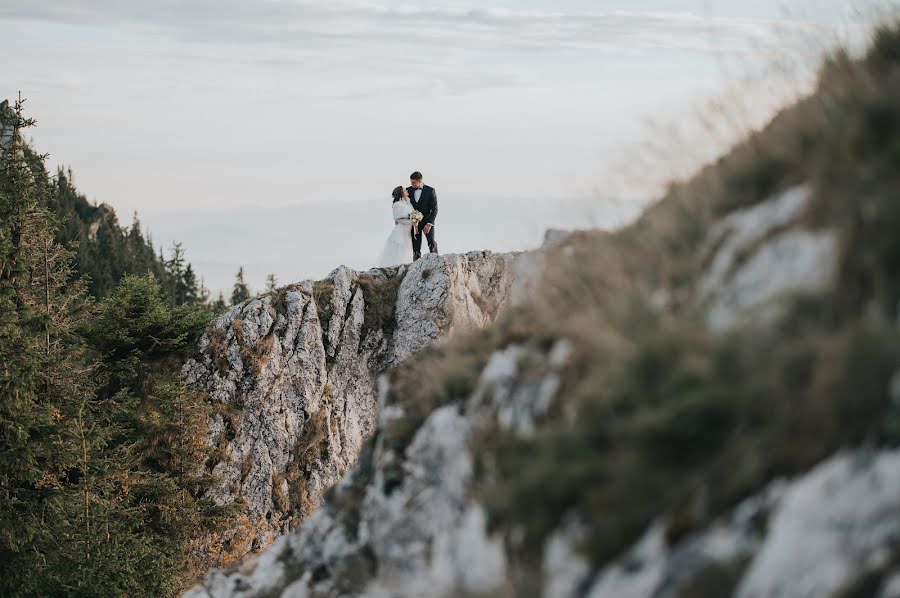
{"x":415,"y":209}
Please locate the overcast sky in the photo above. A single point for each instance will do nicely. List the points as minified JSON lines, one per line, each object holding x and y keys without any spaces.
{"x":215,"y":104}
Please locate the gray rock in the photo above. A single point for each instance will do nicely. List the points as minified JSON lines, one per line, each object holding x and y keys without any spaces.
{"x":759,"y":256}
{"x":836,"y":521}
{"x":409,"y":522}
{"x":424,"y":535}
{"x":444,"y":294}
{"x":291,"y":377}
{"x":823,"y":528}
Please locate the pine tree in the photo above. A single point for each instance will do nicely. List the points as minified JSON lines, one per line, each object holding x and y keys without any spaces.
{"x":219,"y":304}
{"x":202,"y":293}
{"x":105,"y":251}
{"x":100,"y":440}
{"x":46,"y":504}
{"x":160,"y":430}
{"x":195,"y":294}
{"x":271,"y":283}
{"x":240,"y":292}
{"x":177,"y":287}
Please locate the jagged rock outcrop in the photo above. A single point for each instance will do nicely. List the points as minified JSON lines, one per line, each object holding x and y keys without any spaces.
{"x":704,"y":403}
{"x":425,"y":535}
{"x":823,"y":529}
{"x":291,"y":376}
{"x":425,"y":531}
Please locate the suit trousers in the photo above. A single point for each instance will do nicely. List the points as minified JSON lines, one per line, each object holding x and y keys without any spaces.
{"x":417,"y":241}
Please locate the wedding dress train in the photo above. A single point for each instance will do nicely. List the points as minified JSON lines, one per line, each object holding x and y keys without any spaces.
{"x":398,"y":247}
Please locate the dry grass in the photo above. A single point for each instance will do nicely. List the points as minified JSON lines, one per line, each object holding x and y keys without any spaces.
{"x":280,"y":498}
{"x":664,"y":416}
{"x":256,"y":356}
{"x":224,"y":549}
{"x":298,"y":503}
{"x":218,"y":349}
{"x":323,"y":290}
{"x":488,"y":308}
{"x":312,"y":442}
{"x":279,"y":300}
{"x":673,"y":418}
{"x":231,"y":414}
{"x":380,"y":296}
{"x":246,"y":466}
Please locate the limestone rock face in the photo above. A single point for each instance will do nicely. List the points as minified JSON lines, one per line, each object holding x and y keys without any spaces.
{"x":444,"y":294}
{"x":423,"y":534}
{"x":407,"y":520}
{"x":760,"y":256}
{"x":291,"y":376}
{"x":427,"y":535}
{"x":824,"y":528}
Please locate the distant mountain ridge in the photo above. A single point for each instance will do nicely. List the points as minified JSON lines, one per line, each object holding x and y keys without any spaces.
{"x":308,"y":240}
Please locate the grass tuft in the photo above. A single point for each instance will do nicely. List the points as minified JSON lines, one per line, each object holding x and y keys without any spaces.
{"x":380,"y":296}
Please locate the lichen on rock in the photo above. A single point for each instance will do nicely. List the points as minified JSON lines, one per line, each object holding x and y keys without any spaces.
{"x":291,"y":376}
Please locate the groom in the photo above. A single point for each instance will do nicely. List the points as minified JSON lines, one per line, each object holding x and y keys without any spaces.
{"x":423,"y":199}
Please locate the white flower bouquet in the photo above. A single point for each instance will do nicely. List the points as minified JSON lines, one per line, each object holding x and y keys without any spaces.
{"x":416,"y":218}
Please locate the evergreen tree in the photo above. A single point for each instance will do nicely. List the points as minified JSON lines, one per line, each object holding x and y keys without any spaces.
{"x":176,"y":286}
{"x":203,"y":291}
{"x":105,"y":251}
{"x":271,"y":283}
{"x":219,"y":304}
{"x":46,"y":505}
{"x":195,"y":294}
{"x":100,"y":441}
{"x":240,"y":292}
{"x":158,"y":430}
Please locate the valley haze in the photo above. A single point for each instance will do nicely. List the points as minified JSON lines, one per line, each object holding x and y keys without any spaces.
{"x":309,"y":240}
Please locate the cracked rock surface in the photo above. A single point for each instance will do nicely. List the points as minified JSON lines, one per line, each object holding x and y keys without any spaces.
{"x":291,"y":376}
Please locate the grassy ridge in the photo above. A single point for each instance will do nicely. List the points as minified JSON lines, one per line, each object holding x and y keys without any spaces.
{"x":659,"y":415}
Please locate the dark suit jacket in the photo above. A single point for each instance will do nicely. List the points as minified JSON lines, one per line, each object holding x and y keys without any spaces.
{"x":427,"y":204}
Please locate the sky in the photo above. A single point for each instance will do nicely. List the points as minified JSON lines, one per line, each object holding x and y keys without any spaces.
{"x":200,"y":111}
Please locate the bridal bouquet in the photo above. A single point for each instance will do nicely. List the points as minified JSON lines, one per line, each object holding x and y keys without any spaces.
{"x":416,"y":218}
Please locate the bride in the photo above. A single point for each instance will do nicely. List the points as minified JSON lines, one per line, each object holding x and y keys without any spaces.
{"x":398,"y":247}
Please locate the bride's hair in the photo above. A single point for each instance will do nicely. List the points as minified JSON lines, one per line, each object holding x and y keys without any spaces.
{"x":398,"y":194}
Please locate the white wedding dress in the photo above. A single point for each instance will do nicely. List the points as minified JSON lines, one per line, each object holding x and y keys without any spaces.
{"x":398,"y":247}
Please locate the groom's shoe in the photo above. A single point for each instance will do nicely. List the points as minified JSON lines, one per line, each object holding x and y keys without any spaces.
{"x":416,"y":255}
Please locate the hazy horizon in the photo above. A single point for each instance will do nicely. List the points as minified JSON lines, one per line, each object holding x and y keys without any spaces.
{"x":277,"y":240}
{"x":214,"y":107}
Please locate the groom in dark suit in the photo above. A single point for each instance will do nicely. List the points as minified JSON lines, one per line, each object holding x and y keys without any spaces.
{"x":423,"y":199}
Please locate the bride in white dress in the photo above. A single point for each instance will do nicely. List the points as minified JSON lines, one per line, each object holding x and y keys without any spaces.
{"x":398,"y":247}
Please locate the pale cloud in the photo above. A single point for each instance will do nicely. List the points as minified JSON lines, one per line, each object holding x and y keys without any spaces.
{"x":299,"y":25}
{"x":211,"y":103}
{"x":459,"y":46}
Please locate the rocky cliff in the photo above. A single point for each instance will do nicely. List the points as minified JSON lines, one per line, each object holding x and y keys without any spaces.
{"x":291,"y":377}
{"x":409,"y":518}
{"x":705,"y":403}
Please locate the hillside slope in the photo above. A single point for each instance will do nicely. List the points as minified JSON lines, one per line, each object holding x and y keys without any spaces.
{"x":705,"y":403}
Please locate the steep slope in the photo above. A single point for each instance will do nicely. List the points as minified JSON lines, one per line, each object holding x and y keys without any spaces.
{"x":292,"y":377}
{"x":705,"y":403}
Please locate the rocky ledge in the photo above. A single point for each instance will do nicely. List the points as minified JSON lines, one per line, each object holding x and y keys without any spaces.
{"x":291,"y":378}
{"x":409,"y":518}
